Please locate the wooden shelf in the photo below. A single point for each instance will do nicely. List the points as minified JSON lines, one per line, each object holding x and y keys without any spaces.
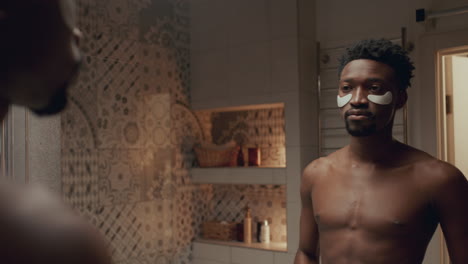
{"x":240,"y":175}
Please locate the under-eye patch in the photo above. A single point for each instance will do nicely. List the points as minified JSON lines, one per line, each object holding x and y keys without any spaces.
{"x":381,"y":99}
{"x":342,"y":101}
{"x":376,"y":99}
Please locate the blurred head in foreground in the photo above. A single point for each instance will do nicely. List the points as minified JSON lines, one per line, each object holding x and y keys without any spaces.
{"x":39,"y":53}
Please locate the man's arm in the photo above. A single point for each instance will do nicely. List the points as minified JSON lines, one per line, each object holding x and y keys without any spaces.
{"x":451,"y":202}
{"x":308,"y":233}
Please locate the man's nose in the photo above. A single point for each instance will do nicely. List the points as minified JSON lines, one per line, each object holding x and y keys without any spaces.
{"x":359,"y":97}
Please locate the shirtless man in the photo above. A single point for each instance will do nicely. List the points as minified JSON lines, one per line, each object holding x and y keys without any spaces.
{"x":378,"y":201}
{"x":39,"y":56}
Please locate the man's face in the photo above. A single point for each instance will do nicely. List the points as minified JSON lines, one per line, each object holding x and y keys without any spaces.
{"x":44,"y":40}
{"x":373,"y":95}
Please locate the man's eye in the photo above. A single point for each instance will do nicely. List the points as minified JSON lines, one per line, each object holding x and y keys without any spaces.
{"x":375,"y":88}
{"x":345,"y":88}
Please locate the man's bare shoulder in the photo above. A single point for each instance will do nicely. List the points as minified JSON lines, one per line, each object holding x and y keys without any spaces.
{"x":320,"y":167}
{"x":430,"y":171}
{"x":39,"y":228}
{"x":438,"y":174}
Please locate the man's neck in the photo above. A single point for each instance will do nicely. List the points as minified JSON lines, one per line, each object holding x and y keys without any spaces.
{"x":375,"y":148}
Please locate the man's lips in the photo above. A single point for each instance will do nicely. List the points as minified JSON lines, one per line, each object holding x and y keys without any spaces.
{"x":358,"y":114}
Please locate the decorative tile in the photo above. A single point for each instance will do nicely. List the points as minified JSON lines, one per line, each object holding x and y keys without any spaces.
{"x":86,"y":22}
{"x":156,"y":230}
{"x":128,"y":135}
{"x":165,"y":70}
{"x":191,"y":209}
{"x":123,"y":229}
{"x":125,"y":119}
{"x":264,"y":128}
{"x":155,"y":119}
{"x":267,"y":202}
{"x":186,"y":131}
{"x":78,"y":131}
{"x":118,"y":18}
{"x":157,"y":177}
{"x":80,"y":178}
{"x":136,"y":233}
{"x":119,"y":176}
{"x":78,"y":120}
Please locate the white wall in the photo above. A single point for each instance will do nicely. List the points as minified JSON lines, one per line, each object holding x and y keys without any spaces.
{"x":44,"y":157}
{"x":242,"y":51}
{"x":460,"y":109}
{"x":35,"y":154}
{"x":341,"y":22}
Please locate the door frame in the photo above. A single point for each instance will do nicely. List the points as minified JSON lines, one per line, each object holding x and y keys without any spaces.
{"x":427,"y":101}
{"x":441,"y":101}
{"x":441,"y":119}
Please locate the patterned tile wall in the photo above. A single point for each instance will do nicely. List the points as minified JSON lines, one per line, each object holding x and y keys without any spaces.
{"x":262,"y":128}
{"x":127,"y":134}
{"x":267,"y":202}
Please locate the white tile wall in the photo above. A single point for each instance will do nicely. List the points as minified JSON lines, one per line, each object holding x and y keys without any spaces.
{"x":331,"y":118}
{"x":284,"y":258}
{"x":209,"y":24}
{"x":206,"y":261}
{"x":308,"y":118}
{"x":334,"y":138}
{"x":329,"y":79}
{"x":223,"y":254}
{"x":209,"y":77}
{"x":251,"y":256}
{"x":306,"y":21}
{"x":279,"y":176}
{"x":284,"y":65}
{"x":293,"y":219}
{"x":249,"y":70}
{"x":283,"y":19}
{"x":308,"y":154}
{"x":248,"y":20}
{"x":328,"y":99}
{"x":211,"y":252}
{"x":308,"y":65}
{"x":293,"y":172}
{"x":292,"y":124}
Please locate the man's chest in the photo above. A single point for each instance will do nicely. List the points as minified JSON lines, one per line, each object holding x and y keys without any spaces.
{"x":385,"y":206}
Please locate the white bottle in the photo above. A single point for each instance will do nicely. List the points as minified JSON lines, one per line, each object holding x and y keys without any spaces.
{"x":265,"y":232}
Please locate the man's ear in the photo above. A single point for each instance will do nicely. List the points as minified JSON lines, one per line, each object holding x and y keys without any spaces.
{"x":401,"y":98}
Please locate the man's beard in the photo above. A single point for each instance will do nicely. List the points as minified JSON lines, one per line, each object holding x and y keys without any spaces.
{"x":59,"y":100}
{"x":361,"y":130}
{"x":57,"y":103}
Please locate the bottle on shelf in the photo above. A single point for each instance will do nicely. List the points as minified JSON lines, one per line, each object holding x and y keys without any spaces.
{"x":265,"y":232}
{"x":254,"y":156}
{"x":248,"y":226}
{"x":240,"y":157}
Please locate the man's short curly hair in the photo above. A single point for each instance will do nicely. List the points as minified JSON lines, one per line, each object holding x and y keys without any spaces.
{"x":384,"y":51}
